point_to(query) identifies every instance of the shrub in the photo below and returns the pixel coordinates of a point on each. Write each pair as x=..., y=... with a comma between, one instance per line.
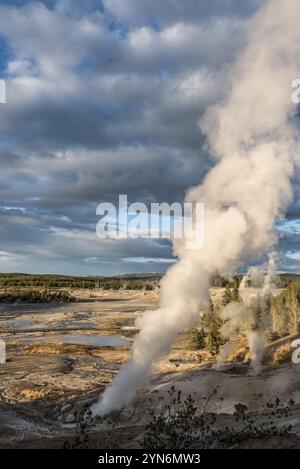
x=213, y=323
x=179, y=425
x=283, y=355
x=197, y=338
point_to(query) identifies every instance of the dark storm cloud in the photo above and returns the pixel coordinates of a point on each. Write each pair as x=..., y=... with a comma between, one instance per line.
x=104, y=98
x=87, y=85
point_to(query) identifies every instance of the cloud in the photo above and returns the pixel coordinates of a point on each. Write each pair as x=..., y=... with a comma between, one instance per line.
x=157, y=13
x=104, y=98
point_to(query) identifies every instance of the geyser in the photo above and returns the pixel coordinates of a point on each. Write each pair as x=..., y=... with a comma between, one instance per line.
x=249, y=318
x=253, y=138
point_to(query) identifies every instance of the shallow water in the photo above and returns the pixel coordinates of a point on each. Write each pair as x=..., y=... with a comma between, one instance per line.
x=28, y=324
x=16, y=324
x=94, y=340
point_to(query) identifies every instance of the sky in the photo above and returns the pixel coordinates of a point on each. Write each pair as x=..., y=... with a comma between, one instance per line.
x=104, y=98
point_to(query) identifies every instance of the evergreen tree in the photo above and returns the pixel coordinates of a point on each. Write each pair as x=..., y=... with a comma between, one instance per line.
x=231, y=294
x=213, y=323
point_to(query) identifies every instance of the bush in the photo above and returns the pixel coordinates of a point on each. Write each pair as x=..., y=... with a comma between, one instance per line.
x=283, y=355
x=177, y=426
x=197, y=339
x=213, y=323
x=180, y=425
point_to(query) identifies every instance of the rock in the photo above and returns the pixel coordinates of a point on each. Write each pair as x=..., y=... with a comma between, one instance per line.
x=70, y=418
x=65, y=408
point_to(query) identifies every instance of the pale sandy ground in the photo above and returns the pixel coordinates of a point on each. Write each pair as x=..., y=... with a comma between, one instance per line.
x=45, y=380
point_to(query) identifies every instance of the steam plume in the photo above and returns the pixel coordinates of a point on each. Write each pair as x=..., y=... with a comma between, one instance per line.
x=254, y=142
x=251, y=317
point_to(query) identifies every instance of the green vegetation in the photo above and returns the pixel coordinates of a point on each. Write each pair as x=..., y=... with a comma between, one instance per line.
x=212, y=321
x=142, y=282
x=212, y=325
x=210, y=336
x=34, y=295
x=281, y=313
x=179, y=423
x=47, y=288
x=176, y=426
x=231, y=294
x=285, y=311
x=63, y=281
x=197, y=338
x=222, y=281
